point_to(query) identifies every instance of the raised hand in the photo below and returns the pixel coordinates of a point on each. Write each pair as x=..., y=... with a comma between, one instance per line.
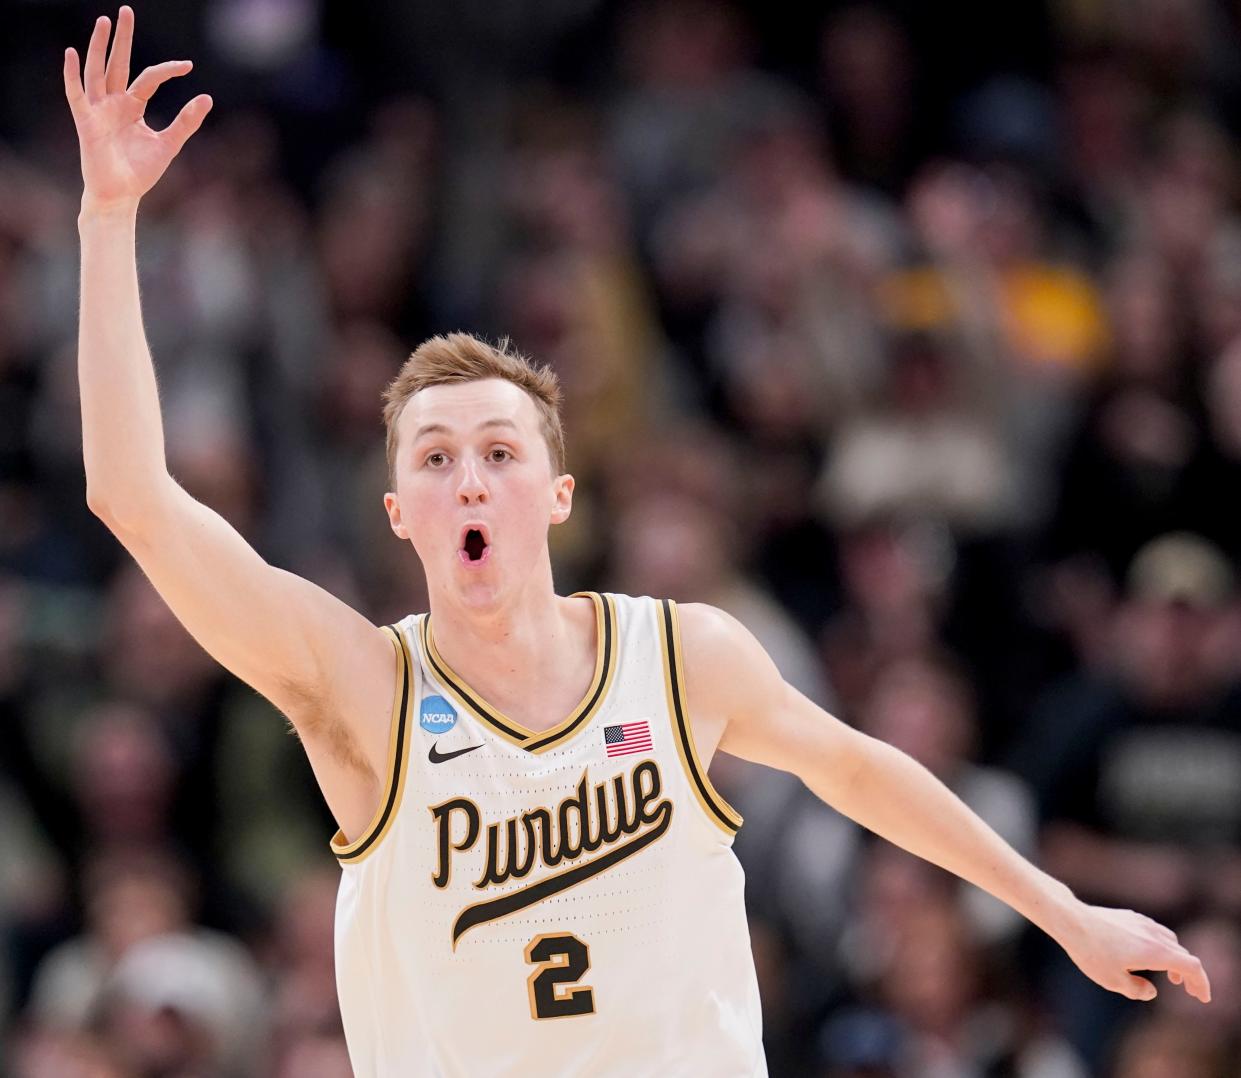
x=122, y=158
x=1109, y=944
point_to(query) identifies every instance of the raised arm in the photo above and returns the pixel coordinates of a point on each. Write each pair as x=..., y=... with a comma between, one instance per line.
x=742, y=702
x=330, y=670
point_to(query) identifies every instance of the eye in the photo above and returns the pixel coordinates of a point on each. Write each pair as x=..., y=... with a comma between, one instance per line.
x=499, y=455
x=435, y=459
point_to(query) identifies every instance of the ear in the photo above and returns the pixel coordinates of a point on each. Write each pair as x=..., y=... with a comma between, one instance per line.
x=394, y=516
x=563, y=493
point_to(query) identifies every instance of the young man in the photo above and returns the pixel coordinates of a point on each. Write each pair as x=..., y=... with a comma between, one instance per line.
x=537, y=873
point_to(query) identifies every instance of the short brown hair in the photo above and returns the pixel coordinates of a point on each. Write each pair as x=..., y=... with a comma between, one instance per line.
x=462, y=357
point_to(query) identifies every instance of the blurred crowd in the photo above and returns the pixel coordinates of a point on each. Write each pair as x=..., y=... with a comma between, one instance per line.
x=908, y=334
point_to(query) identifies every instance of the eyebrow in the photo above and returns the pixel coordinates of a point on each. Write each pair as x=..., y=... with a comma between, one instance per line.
x=440, y=428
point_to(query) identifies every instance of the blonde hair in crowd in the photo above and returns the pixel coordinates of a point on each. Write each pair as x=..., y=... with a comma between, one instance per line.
x=462, y=357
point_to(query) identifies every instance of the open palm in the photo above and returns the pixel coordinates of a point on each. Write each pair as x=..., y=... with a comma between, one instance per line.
x=122, y=158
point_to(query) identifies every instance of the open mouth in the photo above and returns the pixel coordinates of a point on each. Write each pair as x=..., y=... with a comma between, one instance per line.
x=474, y=546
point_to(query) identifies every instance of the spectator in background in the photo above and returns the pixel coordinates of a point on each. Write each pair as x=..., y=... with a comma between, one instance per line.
x=934, y=986
x=777, y=249
x=185, y=1005
x=868, y=71
x=1124, y=478
x=895, y=581
x=1141, y=791
x=677, y=507
x=1137, y=766
x=373, y=221
x=1160, y=1047
x=1219, y=466
x=1217, y=1028
x=129, y=895
x=1021, y=325
x=924, y=707
x=32, y=884
x=150, y=661
x=123, y=780
x=305, y=1015
x=1102, y=104
x=51, y=1053
x=315, y=1057
x=688, y=88
x=922, y=454
x=860, y=1043
x=1185, y=199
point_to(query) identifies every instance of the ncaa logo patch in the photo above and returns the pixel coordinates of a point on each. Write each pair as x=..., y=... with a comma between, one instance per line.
x=438, y=716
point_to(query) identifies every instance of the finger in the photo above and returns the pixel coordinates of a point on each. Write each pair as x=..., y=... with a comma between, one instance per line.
x=96, y=87
x=1138, y=988
x=188, y=120
x=155, y=76
x=1195, y=979
x=117, y=77
x=1188, y=971
x=73, y=85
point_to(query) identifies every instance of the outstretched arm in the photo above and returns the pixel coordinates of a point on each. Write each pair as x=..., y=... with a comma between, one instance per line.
x=734, y=685
x=324, y=665
x=122, y=158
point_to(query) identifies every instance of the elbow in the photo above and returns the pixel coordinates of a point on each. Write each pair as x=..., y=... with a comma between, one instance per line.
x=114, y=519
x=127, y=512
x=98, y=505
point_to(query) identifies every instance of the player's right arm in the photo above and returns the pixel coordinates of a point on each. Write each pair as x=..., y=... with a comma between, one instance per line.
x=329, y=669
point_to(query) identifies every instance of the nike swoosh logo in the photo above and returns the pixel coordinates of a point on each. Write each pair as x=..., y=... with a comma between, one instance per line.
x=437, y=757
x=524, y=897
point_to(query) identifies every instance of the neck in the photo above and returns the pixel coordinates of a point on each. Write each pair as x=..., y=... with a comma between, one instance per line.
x=517, y=635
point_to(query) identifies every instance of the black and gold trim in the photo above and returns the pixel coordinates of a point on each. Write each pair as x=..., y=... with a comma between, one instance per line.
x=719, y=810
x=349, y=853
x=537, y=741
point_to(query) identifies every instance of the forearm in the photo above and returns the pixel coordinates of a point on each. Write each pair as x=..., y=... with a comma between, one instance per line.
x=896, y=797
x=122, y=432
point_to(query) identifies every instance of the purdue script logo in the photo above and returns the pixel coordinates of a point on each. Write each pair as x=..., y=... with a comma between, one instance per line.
x=621, y=816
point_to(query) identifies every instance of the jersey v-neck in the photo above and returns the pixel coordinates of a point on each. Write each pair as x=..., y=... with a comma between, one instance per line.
x=536, y=741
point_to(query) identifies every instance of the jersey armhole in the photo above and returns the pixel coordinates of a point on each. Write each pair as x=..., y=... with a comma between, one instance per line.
x=719, y=811
x=350, y=853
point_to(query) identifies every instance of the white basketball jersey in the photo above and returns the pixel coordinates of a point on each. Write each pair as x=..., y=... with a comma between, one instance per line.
x=559, y=902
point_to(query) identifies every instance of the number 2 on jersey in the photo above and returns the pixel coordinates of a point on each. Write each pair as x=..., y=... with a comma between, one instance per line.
x=561, y=960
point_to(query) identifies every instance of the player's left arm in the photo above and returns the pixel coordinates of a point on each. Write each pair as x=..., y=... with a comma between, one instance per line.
x=748, y=710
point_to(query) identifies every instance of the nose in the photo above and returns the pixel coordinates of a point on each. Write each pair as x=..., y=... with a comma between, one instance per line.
x=470, y=487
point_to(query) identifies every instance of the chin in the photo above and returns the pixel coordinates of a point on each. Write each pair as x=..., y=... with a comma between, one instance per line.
x=477, y=594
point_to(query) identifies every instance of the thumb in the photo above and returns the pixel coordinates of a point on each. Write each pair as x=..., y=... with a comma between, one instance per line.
x=1138, y=988
x=188, y=120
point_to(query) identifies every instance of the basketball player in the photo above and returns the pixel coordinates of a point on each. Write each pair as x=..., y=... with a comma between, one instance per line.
x=537, y=872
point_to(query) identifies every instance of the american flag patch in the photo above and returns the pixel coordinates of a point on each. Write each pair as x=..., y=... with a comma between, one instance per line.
x=628, y=737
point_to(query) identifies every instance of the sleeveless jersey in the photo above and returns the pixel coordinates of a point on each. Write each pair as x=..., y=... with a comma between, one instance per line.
x=559, y=902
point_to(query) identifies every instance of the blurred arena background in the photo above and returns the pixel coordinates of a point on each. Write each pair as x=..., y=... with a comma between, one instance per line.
x=908, y=333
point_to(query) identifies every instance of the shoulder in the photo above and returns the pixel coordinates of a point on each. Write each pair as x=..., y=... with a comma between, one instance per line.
x=739, y=698
x=709, y=634
x=706, y=625
x=723, y=660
